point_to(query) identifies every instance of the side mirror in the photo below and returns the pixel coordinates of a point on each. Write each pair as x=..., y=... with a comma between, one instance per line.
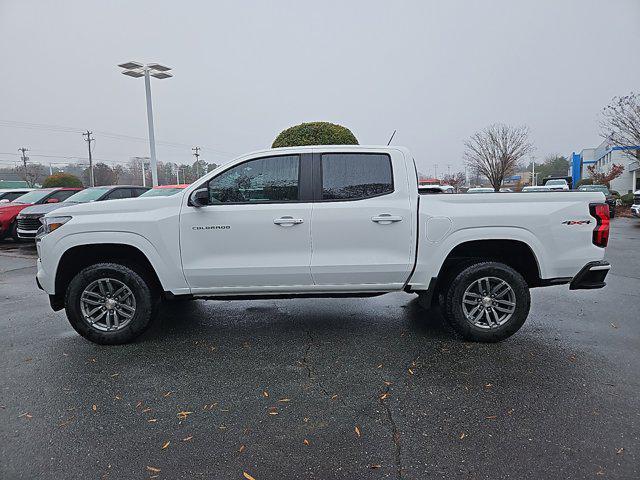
x=53, y=200
x=200, y=197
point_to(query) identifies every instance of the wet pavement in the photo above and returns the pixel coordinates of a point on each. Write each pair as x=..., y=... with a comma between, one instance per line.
x=325, y=388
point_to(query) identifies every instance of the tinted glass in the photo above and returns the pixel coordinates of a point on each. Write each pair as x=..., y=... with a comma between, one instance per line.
x=62, y=195
x=87, y=195
x=269, y=179
x=348, y=176
x=136, y=192
x=161, y=192
x=11, y=196
x=119, y=193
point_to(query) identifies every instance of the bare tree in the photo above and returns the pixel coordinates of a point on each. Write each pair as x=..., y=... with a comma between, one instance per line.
x=32, y=173
x=456, y=180
x=495, y=151
x=620, y=122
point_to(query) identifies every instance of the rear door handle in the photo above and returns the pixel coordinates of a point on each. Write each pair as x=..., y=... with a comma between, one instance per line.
x=386, y=219
x=287, y=221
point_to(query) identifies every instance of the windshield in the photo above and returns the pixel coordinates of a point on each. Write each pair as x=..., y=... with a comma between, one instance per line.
x=33, y=197
x=88, y=195
x=594, y=188
x=161, y=192
x=556, y=182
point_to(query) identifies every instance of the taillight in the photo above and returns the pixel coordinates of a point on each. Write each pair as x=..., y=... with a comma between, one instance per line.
x=600, y=211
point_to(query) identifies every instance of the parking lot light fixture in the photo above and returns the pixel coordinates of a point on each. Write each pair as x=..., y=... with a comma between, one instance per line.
x=156, y=70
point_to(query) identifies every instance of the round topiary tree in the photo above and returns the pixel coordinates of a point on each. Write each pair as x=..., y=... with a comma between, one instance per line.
x=315, y=133
x=61, y=180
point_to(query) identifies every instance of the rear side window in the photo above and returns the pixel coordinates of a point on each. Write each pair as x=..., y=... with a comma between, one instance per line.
x=263, y=180
x=119, y=193
x=353, y=176
x=62, y=195
x=11, y=196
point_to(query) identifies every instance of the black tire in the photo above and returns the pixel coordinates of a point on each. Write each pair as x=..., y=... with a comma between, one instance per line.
x=14, y=231
x=146, y=302
x=453, y=301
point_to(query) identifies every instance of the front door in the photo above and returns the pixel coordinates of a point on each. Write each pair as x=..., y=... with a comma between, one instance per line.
x=363, y=224
x=254, y=236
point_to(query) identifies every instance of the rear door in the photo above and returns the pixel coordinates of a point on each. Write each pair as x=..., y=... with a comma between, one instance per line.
x=362, y=225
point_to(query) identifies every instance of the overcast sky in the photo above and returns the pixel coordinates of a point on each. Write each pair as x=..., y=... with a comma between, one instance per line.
x=244, y=70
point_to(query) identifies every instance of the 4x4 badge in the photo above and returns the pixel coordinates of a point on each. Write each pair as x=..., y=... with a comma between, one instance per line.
x=576, y=222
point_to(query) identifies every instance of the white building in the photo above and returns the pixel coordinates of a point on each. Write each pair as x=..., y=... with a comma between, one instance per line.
x=603, y=157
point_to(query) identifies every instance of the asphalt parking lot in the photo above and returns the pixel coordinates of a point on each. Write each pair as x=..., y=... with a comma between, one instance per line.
x=323, y=389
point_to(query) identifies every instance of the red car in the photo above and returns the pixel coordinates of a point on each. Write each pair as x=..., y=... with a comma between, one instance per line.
x=9, y=211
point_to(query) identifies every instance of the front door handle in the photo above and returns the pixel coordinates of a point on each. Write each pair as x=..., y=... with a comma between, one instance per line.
x=386, y=219
x=287, y=221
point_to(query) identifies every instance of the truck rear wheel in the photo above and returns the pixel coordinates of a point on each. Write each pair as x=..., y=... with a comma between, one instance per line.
x=487, y=302
x=110, y=304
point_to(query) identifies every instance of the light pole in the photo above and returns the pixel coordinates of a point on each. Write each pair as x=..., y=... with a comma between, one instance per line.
x=137, y=70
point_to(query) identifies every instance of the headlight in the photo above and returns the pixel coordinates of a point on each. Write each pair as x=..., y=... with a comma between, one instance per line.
x=49, y=224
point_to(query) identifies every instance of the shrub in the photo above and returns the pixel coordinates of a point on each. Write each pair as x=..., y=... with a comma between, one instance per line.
x=315, y=133
x=61, y=180
x=627, y=199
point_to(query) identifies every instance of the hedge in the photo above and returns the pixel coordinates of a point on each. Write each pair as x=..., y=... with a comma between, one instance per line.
x=315, y=133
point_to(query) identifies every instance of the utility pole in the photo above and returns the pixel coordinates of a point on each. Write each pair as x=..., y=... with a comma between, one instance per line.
x=196, y=153
x=435, y=170
x=534, y=180
x=177, y=174
x=89, y=140
x=448, y=169
x=24, y=157
x=50, y=169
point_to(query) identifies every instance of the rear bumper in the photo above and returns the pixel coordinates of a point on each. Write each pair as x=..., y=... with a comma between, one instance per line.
x=591, y=276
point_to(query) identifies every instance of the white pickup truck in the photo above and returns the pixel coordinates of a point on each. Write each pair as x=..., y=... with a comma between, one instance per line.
x=323, y=221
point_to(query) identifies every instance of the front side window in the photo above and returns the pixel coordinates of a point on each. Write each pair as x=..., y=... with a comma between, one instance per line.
x=352, y=176
x=264, y=180
x=62, y=195
x=119, y=193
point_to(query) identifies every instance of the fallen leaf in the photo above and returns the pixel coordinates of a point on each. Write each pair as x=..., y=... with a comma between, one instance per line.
x=284, y=400
x=619, y=450
x=118, y=397
x=241, y=449
x=491, y=417
x=572, y=357
x=306, y=442
x=138, y=404
x=375, y=466
x=265, y=394
x=153, y=469
x=488, y=385
x=152, y=420
x=166, y=394
x=94, y=407
x=462, y=435
x=247, y=476
x=410, y=371
x=379, y=366
x=387, y=383
x=510, y=412
x=273, y=411
x=183, y=415
x=146, y=410
x=613, y=325
x=115, y=375
x=357, y=430
x=600, y=471
x=166, y=445
x=333, y=397
x=384, y=395
x=25, y=414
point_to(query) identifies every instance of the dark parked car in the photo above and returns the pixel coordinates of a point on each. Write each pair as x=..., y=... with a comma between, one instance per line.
x=608, y=196
x=29, y=218
x=9, y=211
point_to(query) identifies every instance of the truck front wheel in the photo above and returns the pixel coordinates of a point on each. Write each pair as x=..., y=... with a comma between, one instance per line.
x=110, y=304
x=487, y=302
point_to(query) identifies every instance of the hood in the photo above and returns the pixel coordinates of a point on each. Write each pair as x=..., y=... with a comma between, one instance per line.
x=123, y=205
x=11, y=208
x=44, y=208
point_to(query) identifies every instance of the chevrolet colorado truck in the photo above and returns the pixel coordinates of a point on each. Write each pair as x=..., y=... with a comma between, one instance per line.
x=319, y=221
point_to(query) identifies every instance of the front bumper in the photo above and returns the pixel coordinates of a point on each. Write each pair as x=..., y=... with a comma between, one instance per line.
x=27, y=234
x=591, y=276
x=635, y=210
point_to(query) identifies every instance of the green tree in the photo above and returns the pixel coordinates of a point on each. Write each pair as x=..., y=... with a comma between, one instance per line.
x=61, y=180
x=315, y=133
